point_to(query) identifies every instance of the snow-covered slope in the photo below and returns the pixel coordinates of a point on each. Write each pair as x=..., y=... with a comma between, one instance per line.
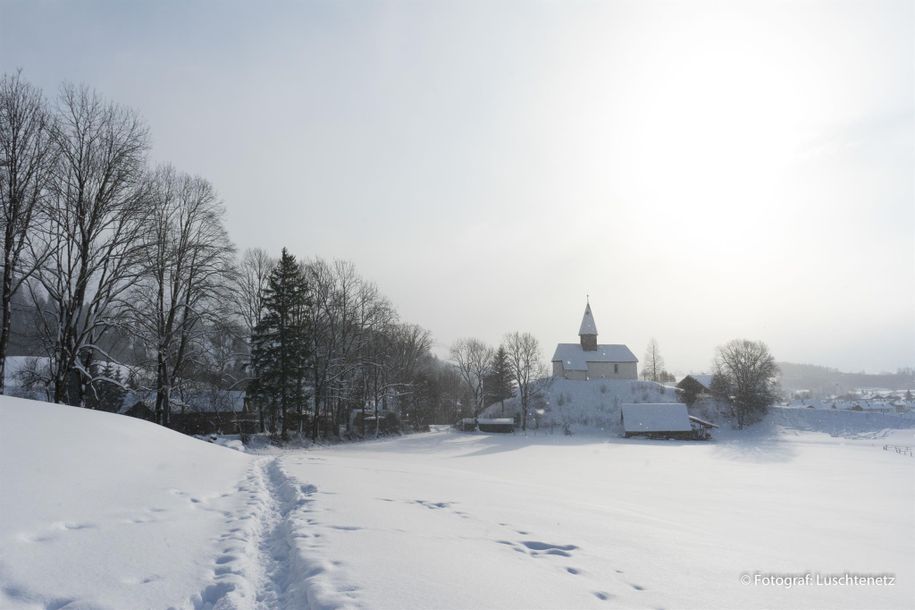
x=106, y=511
x=101, y=511
x=590, y=405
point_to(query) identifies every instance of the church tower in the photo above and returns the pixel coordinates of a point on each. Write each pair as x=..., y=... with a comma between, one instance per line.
x=588, y=331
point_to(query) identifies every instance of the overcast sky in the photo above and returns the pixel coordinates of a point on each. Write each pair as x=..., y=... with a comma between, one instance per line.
x=704, y=171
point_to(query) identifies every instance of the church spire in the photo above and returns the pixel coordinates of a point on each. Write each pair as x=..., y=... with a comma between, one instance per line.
x=587, y=332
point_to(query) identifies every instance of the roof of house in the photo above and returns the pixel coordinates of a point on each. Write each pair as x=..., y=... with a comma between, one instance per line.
x=574, y=358
x=588, y=327
x=656, y=417
x=704, y=380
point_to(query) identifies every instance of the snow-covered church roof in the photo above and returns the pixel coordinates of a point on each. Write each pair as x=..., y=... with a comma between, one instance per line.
x=574, y=358
x=588, y=327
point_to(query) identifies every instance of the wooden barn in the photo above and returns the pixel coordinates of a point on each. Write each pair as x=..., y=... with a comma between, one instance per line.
x=662, y=420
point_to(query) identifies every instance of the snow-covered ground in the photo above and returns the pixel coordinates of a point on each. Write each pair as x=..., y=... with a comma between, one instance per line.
x=102, y=511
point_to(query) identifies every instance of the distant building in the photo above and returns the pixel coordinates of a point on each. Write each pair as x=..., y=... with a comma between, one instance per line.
x=697, y=384
x=588, y=359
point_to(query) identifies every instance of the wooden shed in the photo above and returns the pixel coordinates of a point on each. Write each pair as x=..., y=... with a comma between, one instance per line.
x=656, y=420
x=663, y=420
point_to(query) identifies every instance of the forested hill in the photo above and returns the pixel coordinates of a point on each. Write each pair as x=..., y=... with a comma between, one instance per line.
x=825, y=380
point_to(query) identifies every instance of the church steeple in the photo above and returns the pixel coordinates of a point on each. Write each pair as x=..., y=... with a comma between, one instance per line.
x=587, y=332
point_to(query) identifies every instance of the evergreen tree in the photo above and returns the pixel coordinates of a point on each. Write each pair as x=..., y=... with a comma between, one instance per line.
x=107, y=389
x=279, y=343
x=498, y=384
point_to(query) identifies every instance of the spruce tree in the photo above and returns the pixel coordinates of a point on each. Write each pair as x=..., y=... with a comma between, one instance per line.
x=499, y=381
x=279, y=342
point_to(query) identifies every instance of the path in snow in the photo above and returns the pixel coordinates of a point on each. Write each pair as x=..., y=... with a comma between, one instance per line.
x=269, y=552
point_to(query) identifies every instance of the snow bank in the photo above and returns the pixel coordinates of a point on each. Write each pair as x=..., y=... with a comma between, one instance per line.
x=106, y=511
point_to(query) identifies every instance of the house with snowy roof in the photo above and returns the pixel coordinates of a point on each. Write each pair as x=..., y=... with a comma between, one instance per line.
x=698, y=384
x=589, y=359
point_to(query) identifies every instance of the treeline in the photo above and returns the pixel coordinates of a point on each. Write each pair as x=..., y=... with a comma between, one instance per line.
x=824, y=381
x=109, y=260
x=325, y=343
x=491, y=374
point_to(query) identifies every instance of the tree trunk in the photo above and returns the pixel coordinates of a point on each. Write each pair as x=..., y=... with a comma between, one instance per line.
x=7, y=296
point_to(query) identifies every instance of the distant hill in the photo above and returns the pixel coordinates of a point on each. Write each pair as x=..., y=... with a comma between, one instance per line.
x=825, y=381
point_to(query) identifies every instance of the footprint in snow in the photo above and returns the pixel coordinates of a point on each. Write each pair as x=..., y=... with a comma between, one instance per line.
x=602, y=595
x=433, y=505
x=75, y=526
x=563, y=550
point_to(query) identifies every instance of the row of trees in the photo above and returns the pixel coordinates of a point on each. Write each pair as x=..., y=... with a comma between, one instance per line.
x=322, y=335
x=490, y=374
x=111, y=260
x=107, y=249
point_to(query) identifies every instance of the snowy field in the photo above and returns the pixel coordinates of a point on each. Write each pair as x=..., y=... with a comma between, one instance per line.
x=102, y=511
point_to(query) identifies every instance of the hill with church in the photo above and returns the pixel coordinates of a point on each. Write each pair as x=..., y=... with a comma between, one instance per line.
x=590, y=383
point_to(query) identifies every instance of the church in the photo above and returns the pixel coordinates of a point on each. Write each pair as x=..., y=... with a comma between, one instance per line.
x=589, y=359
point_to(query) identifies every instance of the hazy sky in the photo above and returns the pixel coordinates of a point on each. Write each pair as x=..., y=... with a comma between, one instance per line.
x=704, y=170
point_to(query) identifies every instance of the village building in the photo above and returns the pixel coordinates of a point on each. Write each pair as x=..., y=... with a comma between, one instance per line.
x=696, y=384
x=589, y=359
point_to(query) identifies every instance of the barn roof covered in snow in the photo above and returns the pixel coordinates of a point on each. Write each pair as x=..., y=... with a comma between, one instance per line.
x=588, y=327
x=656, y=417
x=574, y=358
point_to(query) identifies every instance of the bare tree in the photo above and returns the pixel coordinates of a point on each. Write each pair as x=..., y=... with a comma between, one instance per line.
x=188, y=259
x=340, y=310
x=406, y=344
x=745, y=371
x=26, y=160
x=653, y=368
x=523, y=352
x=375, y=321
x=473, y=359
x=250, y=279
x=95, y=215
x=250, y=282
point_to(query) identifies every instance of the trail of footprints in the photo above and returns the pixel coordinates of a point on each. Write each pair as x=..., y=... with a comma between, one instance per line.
x=530, y=548
x=537, y=548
